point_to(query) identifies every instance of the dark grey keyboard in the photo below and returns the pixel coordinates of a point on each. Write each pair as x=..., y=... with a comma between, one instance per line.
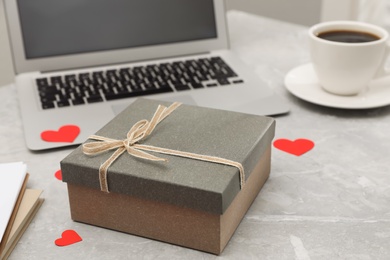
x=100, y=86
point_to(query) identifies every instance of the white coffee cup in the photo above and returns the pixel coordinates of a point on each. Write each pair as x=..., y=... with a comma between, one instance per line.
x=346, y=68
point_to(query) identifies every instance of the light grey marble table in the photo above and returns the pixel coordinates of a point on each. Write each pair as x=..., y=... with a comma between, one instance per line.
x=330, y=203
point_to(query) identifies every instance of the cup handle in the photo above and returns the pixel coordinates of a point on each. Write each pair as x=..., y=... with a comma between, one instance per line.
x=382, y=72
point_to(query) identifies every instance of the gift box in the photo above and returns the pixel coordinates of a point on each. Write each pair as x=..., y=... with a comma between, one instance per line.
x=181, y=174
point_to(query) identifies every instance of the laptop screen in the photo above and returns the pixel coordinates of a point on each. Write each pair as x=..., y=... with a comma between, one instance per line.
x=58, y=27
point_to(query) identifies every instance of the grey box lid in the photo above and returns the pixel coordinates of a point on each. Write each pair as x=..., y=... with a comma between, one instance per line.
x=181, y=181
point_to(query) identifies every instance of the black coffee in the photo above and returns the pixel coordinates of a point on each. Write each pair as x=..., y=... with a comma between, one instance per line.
x=348, y=36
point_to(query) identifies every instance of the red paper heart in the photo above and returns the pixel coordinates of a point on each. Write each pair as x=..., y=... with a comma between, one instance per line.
x=296, y=147
x=58, y=175
x=66, y=133
x=68, y=237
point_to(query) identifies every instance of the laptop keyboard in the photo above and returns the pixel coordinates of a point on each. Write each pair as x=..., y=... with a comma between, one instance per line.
x=101, y=86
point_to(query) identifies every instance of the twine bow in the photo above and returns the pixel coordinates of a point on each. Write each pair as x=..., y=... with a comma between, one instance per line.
x=138, y=132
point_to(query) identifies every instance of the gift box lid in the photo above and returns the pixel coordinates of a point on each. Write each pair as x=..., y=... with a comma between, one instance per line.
x=185, y=182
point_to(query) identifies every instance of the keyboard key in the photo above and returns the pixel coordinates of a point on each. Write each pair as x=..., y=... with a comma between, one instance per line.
x=196, y=85
x=47, y=96
x=84, y=76
x=180, y=87
x=149, y=86
x=63, y=103
x=164, y=85
x=42, y=82
x=124, y=71
x=55, y=80
x=70, y=78
x=47, y=89
x=136, y=93
x=223, y=81
x=113, y=96
x=47, y=105
x=238, y=81
x=136, y=87
x=111, y=72
x=78, y=101
x=97, y=75
x=94, y=98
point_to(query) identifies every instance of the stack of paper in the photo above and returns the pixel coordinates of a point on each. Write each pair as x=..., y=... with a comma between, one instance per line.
x=18, y=205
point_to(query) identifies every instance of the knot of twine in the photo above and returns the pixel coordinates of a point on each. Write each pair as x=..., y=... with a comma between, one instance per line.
x=138, y=132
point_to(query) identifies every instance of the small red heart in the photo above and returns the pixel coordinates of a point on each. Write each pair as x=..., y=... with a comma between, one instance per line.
x=58, y=175
x=296, y=147
x=66, y=133
x=68, y=237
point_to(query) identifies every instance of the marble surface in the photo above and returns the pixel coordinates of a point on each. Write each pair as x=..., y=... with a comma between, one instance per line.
x=330, y=203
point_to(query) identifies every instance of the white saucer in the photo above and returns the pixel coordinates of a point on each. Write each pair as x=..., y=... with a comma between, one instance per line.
x=302, y=82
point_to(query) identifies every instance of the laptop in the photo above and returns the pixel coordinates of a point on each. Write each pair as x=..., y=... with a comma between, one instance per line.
x=80, y=62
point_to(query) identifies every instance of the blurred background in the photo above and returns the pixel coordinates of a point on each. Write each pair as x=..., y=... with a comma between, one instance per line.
x=304, y=12
x=309, y=12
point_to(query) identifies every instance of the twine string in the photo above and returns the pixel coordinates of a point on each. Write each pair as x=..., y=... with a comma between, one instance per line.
x=138, y=132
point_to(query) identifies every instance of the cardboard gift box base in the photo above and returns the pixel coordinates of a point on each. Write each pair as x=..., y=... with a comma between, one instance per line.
x=165, y=222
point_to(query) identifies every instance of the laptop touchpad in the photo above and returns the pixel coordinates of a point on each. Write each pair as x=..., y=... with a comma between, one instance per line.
x=185, y=99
